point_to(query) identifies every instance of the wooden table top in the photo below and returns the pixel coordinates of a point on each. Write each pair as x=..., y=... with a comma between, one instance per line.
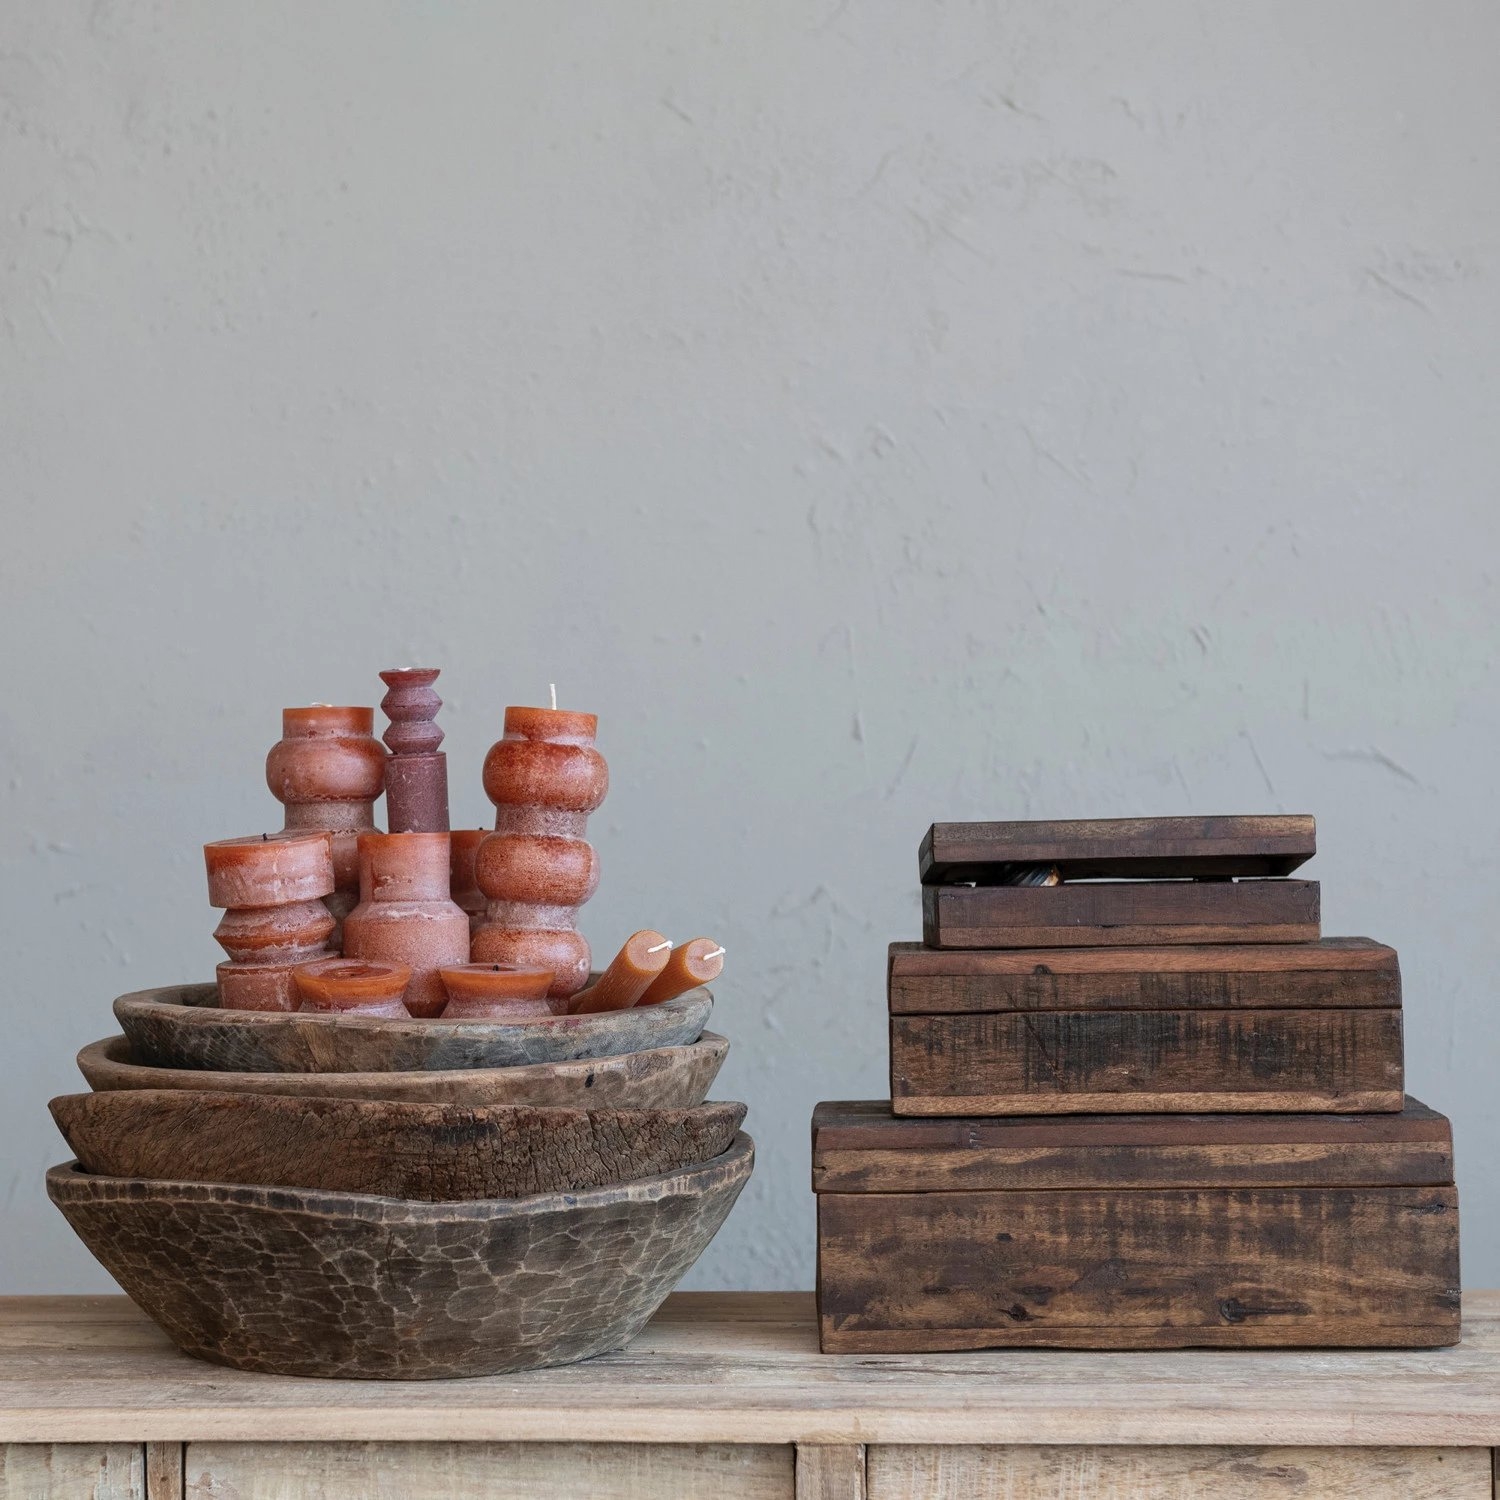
x=745, y=1367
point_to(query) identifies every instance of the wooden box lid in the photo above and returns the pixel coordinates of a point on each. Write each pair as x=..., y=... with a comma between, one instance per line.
x=861, y=1147
x=1144, y=848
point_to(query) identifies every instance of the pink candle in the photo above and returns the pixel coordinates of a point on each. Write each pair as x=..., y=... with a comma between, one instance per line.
x=405, y=914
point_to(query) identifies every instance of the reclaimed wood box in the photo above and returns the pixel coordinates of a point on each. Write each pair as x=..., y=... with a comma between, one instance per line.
x=1290, y=1028
x=1134, y=1231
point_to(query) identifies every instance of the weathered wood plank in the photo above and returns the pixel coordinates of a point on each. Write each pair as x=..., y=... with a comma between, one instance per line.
x=862, y=1146
x=1101, y=1473
x=165, y=1472
x=1337, y=973
x=1116, y=913
x=1086, y=848
x=1145, y=1268
x=830, y=1471
x=1021, y=1062
x=72, y=1471
x=488, y=1471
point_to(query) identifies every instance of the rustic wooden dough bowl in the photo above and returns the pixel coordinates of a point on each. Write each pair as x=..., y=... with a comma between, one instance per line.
x=431, y=1152
x=291, y=1282
x=662, y=1077
x=181, y=1026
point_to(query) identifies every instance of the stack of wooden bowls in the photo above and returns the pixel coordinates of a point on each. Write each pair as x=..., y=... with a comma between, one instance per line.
x=344, y=1196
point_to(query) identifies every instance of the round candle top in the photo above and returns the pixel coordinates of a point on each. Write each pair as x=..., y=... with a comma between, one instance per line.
x=326, y=754
x=496, y=981
x=404, y=866
x=318, y=719
x=269, y=869
x=330, y=980
x=559, y=725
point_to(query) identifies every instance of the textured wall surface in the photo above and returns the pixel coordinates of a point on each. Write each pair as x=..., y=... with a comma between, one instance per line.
x=874, y=411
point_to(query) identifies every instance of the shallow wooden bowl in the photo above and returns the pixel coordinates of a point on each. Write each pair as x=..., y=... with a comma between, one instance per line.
x=181, y=1026
x=663, y=1077
x=432, y=1152
x=291, y=1282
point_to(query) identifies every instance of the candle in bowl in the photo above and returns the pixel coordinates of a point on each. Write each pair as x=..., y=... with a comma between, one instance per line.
x=463, y=885
x=327, y=770
x=416, y=775
x=355, y=986
x=636, y=967
x=545, y=777
x=271, y=888
x=497, y=992
x=689, y=965
x=405, y=914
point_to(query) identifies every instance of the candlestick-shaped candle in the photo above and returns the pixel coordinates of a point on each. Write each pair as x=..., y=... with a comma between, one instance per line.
x=353, y=986
x=691, y=964
x=272, y=889
x=635, y=967
x=463, y=885
x=497, y=992
x=327, y=770
x=405, y=914
x=416, y=775
x=545, y=777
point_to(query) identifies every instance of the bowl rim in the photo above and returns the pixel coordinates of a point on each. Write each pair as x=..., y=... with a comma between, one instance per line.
x=67, y=1180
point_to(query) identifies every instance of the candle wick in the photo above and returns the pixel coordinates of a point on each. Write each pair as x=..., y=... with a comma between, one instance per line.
x=660, y=946
x=265, y=838
x=717, y=953
x=553, y=686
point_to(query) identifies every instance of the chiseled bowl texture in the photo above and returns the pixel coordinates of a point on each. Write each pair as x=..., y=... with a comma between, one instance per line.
x=288, y=1282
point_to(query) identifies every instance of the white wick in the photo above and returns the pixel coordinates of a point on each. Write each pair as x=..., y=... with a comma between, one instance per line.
x=553, y=686
x=717, y=953
x=660, y=946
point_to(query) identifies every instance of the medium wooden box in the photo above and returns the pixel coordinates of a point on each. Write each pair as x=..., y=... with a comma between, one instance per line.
x=1293, y=1027
x=1134, y=1231
x=1108, y=913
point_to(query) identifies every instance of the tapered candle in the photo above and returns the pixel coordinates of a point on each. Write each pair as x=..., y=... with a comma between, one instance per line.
x=334, y=986
x=634, y=970
x=688, y=966
x=497, y=992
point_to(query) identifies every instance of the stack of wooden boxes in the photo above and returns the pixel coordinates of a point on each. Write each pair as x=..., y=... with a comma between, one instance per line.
x=1145, y=1106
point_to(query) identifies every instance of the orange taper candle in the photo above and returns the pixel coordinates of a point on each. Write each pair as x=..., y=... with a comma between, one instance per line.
x=694, y=963
x=635, y=968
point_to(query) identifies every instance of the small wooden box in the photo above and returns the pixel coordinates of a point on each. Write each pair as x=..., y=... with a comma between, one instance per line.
x=1094, y=914
x=1295, y=1027
x=1134, y=1231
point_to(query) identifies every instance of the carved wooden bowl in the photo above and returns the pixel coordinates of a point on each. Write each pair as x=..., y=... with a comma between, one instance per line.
x=661, y=1077
x=291, y=1282
x=432, y=1152
x=181, y=1026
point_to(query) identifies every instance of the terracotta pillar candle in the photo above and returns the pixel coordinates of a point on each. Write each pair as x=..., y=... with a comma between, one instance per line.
x=416, y=775
x=496, y=992
x=327, y=770
x=462, y=884
x=636, y=967
x=698, y=962
x=545, y=777
x=272, y=888
x=353, y=986
x=405, y=914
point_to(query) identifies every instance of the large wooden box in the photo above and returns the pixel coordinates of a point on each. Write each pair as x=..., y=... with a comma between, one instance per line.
x=1134, y=1231
x=1290, y=1028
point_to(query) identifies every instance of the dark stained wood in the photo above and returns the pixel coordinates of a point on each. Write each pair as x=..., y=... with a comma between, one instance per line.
x=663, y=1077
x=181, y=1026
x=1120, y=913
x=1143, y=1269
x=427, y=1152
x=291, y=1282
x=1033, y=1062
x=1143, y=848
x=1338, y=972
x=862, y=1146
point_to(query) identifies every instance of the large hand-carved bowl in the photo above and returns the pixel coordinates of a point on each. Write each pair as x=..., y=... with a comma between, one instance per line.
x=291, y=1282
x=431, y=1152
x=661, y=1077
x=181, y=1026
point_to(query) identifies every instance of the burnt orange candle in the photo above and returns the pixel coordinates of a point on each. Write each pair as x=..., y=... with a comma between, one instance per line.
x=688, y=966
x=545, y=777
x=272, y=889
x=357, y=986
x=636, y=967
x=405, y=914
x=463, y=886
x=496, y=992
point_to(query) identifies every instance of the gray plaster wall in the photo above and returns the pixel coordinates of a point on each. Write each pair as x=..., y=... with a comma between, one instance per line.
x=876, y=410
